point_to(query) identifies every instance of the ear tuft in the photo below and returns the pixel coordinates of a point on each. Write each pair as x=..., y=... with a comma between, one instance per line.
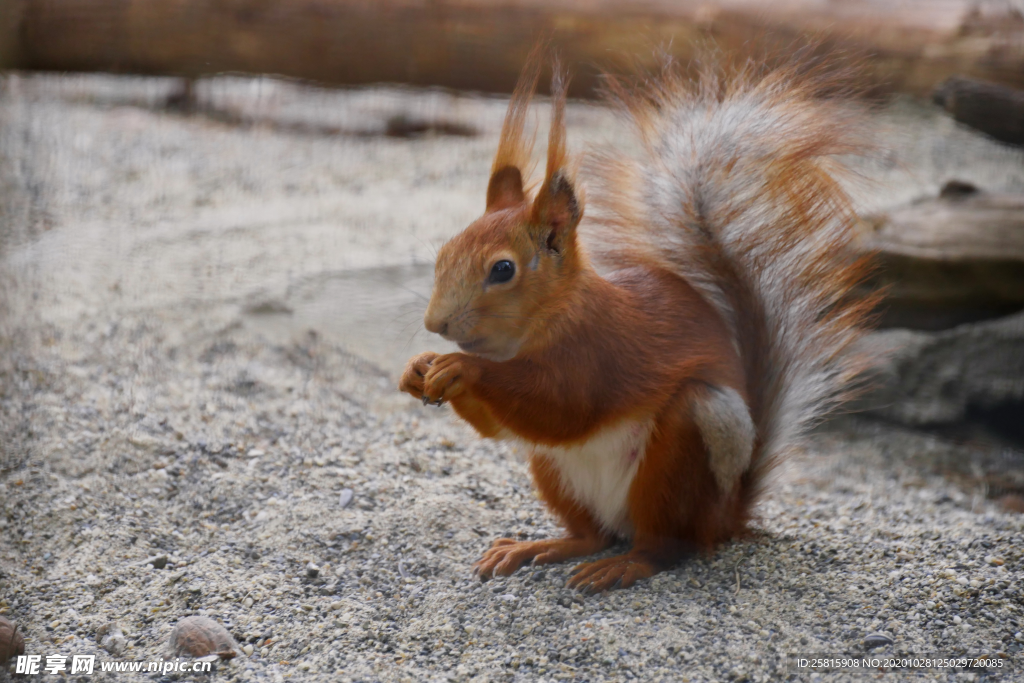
x=557, y=210
x=505, y=189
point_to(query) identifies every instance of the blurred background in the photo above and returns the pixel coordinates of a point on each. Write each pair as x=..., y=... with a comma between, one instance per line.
x=218, y=217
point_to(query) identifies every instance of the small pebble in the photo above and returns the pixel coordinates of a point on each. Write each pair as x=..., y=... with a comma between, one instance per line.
x=158, y=562
x=873, y=640
x=346, y=497
x=312, y=571
x=248, y=650
x=112, y=639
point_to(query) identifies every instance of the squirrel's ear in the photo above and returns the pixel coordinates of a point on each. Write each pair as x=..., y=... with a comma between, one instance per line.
x=556, y=213
x=505, y=189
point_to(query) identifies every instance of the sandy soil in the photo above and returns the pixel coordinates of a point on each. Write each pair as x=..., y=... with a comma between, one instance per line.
x=201, y=327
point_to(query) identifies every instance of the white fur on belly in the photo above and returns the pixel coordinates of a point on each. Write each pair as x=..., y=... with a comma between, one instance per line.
x=598, y=472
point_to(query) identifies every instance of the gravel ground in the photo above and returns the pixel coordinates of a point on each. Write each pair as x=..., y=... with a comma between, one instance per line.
x=240, y=463
x=166, y=454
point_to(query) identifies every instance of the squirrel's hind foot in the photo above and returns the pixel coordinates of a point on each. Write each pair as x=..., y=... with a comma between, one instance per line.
x=505, y=556
x=621, y=571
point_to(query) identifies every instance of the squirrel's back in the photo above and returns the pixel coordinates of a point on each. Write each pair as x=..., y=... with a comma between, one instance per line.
x=737, y=189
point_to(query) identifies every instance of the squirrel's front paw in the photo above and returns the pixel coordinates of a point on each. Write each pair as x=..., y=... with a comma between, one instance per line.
x=415, y=370
x=448, y=377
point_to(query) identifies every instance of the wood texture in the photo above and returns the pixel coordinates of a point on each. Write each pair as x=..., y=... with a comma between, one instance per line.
x=950, y=260
x=482, y=44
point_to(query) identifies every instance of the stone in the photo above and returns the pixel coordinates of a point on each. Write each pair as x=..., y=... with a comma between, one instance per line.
x=200, y=637
x=12, y=644
x=158, y=562
x=873, y=640
x=936, y=378
x=112, y=638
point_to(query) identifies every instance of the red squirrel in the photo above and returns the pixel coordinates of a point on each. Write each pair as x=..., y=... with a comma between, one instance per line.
x=654, y=396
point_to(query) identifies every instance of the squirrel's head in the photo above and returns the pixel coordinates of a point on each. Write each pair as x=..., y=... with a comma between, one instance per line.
x=499, y=282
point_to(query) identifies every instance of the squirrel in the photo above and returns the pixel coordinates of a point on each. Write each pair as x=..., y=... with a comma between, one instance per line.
x=656, y=394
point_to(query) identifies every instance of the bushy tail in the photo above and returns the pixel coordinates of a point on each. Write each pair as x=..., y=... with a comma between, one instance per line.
x=736, y=189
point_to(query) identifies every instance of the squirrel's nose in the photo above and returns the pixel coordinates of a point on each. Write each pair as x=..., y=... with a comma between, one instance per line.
x=436, y=325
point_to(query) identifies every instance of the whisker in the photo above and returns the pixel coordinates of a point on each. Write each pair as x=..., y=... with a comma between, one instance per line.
x=430, y=247
x=419, y=295
x=418, y=312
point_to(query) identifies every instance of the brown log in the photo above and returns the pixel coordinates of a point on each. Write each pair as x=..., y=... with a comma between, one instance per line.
x=481, y=44
x=993, y=109
x=950, y=260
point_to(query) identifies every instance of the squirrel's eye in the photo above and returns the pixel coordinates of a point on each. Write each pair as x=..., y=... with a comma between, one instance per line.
x=502, y=271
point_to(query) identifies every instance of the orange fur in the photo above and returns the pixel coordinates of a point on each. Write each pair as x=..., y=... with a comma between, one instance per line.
x=560, y=357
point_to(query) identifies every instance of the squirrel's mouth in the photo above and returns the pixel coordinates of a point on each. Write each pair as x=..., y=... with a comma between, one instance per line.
x=472, y=345
x=485, y=348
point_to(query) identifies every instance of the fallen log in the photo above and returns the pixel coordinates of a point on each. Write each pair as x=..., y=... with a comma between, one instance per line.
x=951, y=260
x=481, y=44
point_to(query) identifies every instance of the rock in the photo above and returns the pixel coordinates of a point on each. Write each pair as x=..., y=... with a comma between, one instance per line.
x=158, y=562
x=937, y=378
x=248, y=650
x=111, y=638
x=345, y=498
x=312, y=571
x=201, y=637
x=873, y=640
x=12, y=644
